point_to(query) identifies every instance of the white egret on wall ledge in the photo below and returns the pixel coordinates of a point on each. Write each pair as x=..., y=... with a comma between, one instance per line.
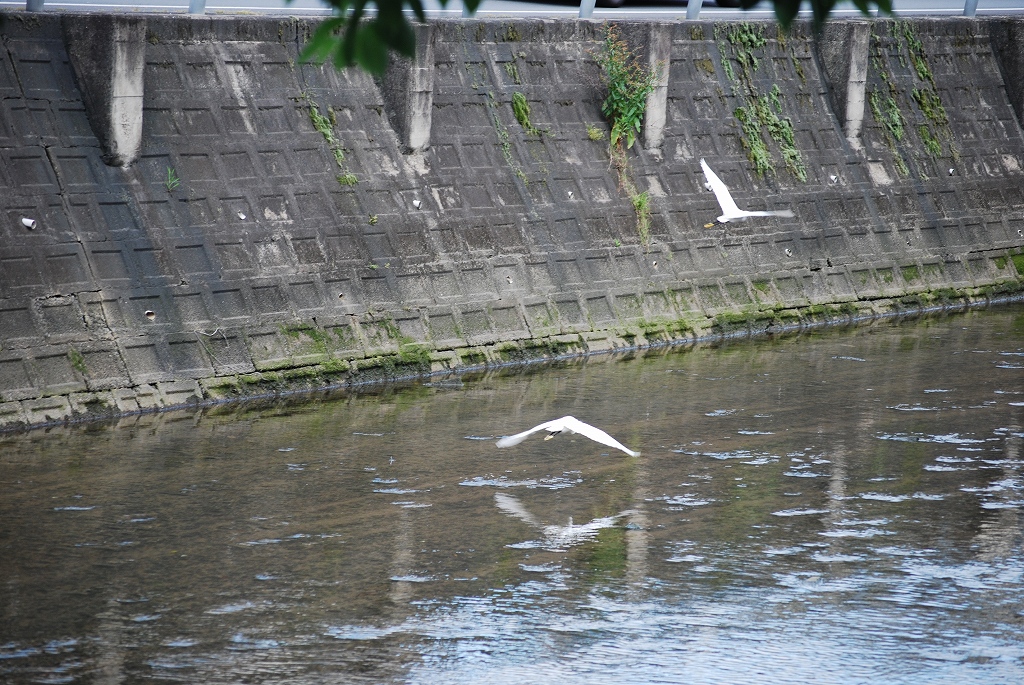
x=730, y=212
x=569, y=425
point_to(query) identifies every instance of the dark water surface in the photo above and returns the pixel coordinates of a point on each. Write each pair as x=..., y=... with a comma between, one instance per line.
x=839, y=507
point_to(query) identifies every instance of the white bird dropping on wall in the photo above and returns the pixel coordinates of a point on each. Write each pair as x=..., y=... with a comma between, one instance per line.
x=28, y=223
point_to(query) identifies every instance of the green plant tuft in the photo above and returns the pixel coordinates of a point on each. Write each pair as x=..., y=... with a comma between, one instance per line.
x=642, y=206
x=628, y=83
x=521, y=109
x=77, y=361
x=513, y=72
x=172, y=180
x=705, y=65
x=760, y=116
x=325, y=127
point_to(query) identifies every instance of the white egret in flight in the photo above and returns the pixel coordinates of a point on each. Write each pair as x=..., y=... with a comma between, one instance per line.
x=730, y=212
x=570, y=425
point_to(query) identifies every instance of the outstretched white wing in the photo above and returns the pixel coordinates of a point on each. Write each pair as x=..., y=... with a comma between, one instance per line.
x=510, y=440
x=568, y=424
x=775, y=212
x=595, y=434
x=721, y=191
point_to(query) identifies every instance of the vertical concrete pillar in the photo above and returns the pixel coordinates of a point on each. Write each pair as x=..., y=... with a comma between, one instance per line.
x=108, y=57
x=659, y=54
x=408, y=90
x=843, y=52
x=1007, y=38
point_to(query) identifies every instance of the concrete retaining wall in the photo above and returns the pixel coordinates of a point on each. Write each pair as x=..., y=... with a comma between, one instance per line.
x=227, y=247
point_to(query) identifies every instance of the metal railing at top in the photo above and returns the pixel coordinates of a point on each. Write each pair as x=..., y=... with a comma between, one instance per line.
x=586, y=7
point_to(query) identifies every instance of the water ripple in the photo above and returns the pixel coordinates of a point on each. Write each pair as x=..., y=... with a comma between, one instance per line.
x=947, y=439
x=556, y=483
x=799, y=512
x=685, y=500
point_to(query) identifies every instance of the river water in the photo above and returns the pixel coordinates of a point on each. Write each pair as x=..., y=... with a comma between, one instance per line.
x=840, y=506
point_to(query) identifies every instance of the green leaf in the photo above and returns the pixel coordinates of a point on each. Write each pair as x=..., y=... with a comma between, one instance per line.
x=346, y=38
x=417, y=9
x=785, y=11
x=371, y=50
x=393, y=28
x=345, y=54
x=322, y=42
x=820, y=9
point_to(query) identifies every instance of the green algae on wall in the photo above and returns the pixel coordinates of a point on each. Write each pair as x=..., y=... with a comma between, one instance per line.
x=761, y=115
x=897, y=101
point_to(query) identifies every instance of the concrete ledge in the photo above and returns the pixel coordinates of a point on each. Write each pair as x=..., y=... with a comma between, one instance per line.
x=418, y=363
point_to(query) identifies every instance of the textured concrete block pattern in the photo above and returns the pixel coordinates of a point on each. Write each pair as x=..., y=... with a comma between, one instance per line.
x=277, y=231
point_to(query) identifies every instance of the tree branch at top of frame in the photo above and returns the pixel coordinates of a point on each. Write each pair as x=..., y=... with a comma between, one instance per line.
x=355, y=36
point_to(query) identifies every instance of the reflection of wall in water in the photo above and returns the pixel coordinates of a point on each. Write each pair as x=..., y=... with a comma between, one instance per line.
x=1001, y=533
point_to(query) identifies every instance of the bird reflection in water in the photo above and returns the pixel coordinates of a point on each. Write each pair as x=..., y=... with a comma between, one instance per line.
x=556, y=538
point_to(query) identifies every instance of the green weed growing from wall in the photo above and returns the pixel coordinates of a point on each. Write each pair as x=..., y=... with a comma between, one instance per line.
x=926, y=97
x=887, y=112
x=521, y=109
x=77, y=361
x=628, y=83
x=513, y=72
x=324, y=125
x=642, y=206
x=888, y=108
x=172, y=181
x=505, y=142
x=760, y=115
